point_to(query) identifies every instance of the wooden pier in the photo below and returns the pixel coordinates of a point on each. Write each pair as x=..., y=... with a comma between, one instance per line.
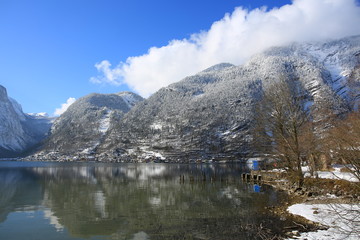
x=246, y=177
x=251, y=177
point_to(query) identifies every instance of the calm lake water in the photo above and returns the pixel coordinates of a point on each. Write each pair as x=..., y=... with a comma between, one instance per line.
x=40, y=200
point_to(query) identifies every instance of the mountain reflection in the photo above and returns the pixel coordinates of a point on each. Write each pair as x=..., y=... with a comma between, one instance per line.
x=122, y=201
x=19, y=191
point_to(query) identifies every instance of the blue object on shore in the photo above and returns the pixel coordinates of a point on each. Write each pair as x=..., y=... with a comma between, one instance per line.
x=255, y=165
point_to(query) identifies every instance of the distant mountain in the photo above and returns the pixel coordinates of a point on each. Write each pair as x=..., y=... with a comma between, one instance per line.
x=19, y=132
x=209, y=115
x=85, y=124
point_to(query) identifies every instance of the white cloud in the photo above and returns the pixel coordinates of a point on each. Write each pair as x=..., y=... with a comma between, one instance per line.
x=234, y=39
x=64, y=106
x=112, y=76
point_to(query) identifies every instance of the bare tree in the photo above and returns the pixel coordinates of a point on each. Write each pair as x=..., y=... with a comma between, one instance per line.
x=283, y=127
x=345, y=142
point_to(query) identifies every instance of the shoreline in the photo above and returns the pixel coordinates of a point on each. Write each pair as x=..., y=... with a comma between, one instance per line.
x=320, y=213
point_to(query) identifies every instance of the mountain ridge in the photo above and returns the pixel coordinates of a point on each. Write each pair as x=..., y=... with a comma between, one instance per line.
x=208, y=115
x=214, y=109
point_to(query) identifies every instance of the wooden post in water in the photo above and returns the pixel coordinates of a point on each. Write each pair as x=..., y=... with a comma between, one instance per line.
x=182, y=178
x=191, y=178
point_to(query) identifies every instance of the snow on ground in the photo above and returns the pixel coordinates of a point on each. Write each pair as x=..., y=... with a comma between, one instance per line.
x=343, y=220
x=336, y=174
x=105, y=122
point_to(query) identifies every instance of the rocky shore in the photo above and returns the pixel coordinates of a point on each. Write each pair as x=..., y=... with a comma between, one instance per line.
x=307, y=206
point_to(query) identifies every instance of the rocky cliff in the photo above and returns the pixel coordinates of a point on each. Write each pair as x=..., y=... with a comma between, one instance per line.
x=19, y=132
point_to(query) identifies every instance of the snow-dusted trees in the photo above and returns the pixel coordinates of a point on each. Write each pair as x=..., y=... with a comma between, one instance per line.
x=283, y=126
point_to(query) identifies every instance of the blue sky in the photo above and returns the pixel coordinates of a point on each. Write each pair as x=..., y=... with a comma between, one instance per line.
x=49, y=48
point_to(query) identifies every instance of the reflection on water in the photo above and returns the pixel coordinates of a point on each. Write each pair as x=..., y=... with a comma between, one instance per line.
x=129, y=201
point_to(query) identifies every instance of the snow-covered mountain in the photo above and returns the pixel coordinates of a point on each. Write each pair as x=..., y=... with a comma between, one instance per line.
x=19, y=132
x=82, y=127
x=209, y=114
x=339, y=60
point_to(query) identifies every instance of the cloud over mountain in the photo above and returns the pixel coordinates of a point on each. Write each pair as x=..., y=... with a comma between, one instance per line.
x=234, y=39
x=64, y=106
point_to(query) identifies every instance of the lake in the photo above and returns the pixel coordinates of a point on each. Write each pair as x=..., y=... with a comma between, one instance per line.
x=49, y=200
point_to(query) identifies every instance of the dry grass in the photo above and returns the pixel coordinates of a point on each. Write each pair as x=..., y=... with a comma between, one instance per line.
x=333, y=185
x=345, y=169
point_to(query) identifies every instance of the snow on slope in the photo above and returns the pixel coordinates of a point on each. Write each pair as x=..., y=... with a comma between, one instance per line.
x=129, y=98
x=105, y=122
x=337, y=57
